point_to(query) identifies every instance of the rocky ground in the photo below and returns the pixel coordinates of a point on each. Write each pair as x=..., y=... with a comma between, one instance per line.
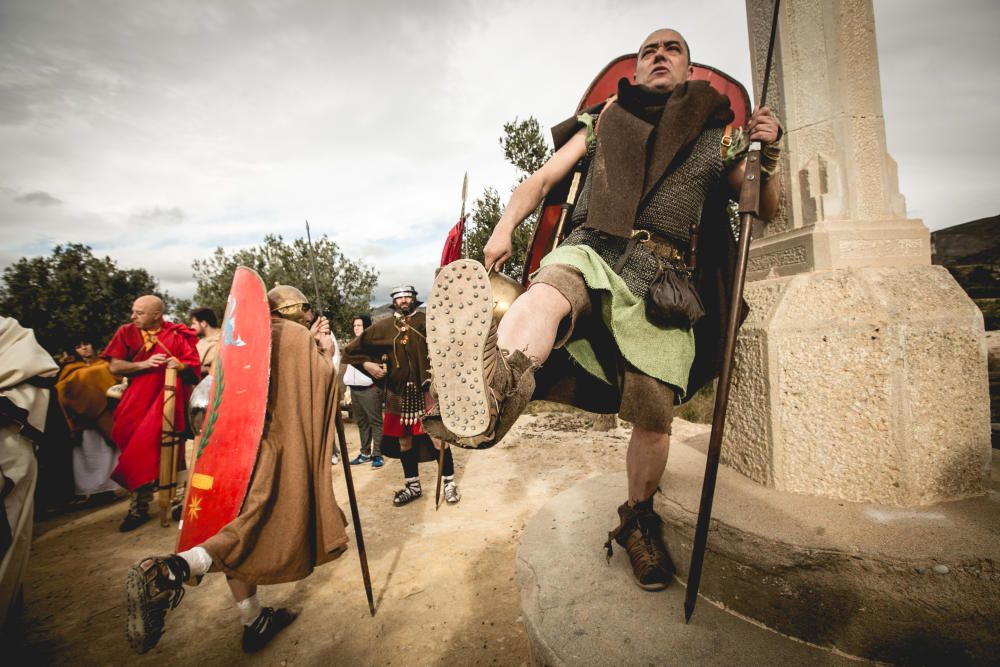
x=443, y=580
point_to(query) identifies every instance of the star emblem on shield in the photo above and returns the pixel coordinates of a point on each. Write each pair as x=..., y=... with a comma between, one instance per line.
x=194, y=507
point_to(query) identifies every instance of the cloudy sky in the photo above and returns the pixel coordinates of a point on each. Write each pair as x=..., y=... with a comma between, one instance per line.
x=156, y=131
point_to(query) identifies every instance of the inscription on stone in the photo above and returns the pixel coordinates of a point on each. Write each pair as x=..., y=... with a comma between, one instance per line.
x=880, y=247
x=783, y=257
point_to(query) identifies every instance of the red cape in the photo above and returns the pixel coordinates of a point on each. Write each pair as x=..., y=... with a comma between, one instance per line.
x=139, y=415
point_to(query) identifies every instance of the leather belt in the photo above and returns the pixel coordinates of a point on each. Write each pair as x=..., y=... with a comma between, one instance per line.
x=660, y=246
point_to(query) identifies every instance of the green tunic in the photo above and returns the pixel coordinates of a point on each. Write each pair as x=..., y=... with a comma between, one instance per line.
x=665, y=353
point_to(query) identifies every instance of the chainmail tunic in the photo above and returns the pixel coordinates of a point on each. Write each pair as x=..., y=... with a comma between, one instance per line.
x=670, y=211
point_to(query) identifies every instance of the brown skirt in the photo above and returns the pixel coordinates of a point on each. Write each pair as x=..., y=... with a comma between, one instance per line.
x=645, y=401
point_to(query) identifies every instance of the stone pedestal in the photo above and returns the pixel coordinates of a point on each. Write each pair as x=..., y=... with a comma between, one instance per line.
x=862, y=384
x=861, y=372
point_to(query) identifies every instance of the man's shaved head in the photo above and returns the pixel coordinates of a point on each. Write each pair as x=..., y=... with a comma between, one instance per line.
x=150, y=302
x=658, y=35
x=664, y=61
x=147, y=312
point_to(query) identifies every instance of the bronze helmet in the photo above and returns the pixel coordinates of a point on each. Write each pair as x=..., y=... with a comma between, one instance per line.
x=289, y=303
x=505, y=289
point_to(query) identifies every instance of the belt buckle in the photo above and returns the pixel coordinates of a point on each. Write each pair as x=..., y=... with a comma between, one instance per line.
x=641, y=232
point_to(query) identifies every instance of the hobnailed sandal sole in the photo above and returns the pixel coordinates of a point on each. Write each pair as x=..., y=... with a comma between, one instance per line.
x=141, y=637
x=459, y=316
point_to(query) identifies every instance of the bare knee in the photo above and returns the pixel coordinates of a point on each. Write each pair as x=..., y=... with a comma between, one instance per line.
x=549, y=298
x=645, y=438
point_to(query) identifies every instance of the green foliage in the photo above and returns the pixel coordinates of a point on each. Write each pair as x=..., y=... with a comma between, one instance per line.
x=700, y=408
x=524, y=146
x=71, y=294
x=179, y=310
x=345, y=286
x=486, y=212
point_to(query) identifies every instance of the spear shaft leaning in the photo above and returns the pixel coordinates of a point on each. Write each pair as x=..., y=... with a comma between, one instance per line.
x=461, y=217
x=338, y=421
x=749, y=209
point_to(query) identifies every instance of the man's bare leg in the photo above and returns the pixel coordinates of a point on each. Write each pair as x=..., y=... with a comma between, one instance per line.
x=245, y=596
x=640, y=530
x=532, y=322
x=645, y=461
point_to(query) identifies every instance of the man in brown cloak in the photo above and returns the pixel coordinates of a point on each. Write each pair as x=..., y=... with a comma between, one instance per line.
x=290, y=521
x=401, y=341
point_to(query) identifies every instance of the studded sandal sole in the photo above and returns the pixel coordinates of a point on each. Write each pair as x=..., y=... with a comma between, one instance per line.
x=141, y=628
x=459, y=316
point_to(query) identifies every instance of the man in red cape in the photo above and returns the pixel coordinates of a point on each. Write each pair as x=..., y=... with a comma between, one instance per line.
x=143, y=350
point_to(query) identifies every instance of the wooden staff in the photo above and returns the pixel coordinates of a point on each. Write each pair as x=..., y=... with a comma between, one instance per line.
x=168, y=446
x=338, y=420
x=749, y=209
x=437, y=489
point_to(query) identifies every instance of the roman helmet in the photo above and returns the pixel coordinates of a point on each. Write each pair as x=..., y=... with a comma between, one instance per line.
x=289, y=303
x=404, y=290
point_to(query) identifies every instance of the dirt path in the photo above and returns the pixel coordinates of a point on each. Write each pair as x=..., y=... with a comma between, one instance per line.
x=444, y=581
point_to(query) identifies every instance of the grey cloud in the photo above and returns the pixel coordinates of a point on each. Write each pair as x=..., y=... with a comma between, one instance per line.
x=38, y=198
x=158, y=215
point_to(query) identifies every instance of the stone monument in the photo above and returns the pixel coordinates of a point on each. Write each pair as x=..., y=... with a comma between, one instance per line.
x=861, y=371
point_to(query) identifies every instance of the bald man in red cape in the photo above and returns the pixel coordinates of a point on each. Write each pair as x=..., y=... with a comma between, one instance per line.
x=143, y=350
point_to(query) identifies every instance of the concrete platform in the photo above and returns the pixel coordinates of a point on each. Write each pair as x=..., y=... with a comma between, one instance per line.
x=580, y=610
x=800, y=579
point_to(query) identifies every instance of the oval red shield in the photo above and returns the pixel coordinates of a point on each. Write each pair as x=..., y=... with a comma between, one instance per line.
x=226, y=450
x=601, y=88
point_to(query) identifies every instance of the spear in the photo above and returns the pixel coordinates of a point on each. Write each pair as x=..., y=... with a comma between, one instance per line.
x=749, y=209
x=312, y=266
x=465, y=193
x=338, y=421
x=461, y=219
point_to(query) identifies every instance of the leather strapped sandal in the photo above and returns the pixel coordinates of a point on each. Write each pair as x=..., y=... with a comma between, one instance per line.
x=407, y=494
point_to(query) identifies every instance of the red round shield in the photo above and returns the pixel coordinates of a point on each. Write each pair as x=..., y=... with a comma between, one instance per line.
x=226, y=450
x=601, y=88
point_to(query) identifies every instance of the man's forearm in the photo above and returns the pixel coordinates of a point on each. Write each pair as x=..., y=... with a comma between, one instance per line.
x=523, y=201
x=770, y=197
x=122, y=367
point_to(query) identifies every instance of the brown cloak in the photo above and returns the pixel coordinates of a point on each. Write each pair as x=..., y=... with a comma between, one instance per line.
x=405, y=350
x=635, y=156
x=290, y=521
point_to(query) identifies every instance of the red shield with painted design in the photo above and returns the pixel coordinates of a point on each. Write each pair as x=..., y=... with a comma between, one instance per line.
x=226, y=450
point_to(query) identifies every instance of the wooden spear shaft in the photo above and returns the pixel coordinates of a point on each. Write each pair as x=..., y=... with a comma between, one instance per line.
x=749, y=209
x=338, y=421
